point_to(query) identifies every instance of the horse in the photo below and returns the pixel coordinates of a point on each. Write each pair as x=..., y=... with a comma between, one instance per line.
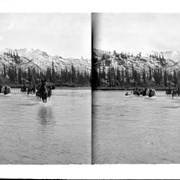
x=50, y=88
x=5, y=89
x=136, y=92
x=169, y=91
x=128, y=94
x=53, y=87
x=152, y=92
x=1, y=89
x=44, y=91
x=23, y=89
x=139, y=92
x=144, y=92
x=176, y=92
x=31, y=89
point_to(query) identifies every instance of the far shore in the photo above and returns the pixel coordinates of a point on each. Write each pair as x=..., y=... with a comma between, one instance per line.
x=129, y=88
x=61, y=88
x=75, y=88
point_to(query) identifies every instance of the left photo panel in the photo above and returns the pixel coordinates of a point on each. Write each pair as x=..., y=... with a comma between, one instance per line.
x=45, y=89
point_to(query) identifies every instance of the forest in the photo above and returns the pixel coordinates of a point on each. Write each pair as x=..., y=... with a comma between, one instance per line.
x=129, y=77
x=16, y=76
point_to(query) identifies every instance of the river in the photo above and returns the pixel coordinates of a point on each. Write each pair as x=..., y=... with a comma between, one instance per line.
x=135, y=130
x=57, y=132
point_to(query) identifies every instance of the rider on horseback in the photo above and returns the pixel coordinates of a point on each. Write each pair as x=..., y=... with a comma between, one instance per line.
x=43, y=85
x=31, y=88
x=43, y=91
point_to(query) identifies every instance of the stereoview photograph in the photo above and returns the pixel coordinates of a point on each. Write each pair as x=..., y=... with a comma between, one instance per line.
x=45, y=94
x=136, y=88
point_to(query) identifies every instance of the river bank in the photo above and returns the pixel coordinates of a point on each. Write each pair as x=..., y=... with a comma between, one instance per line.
x=61, y=88
x=56, y=86
x=130, y=88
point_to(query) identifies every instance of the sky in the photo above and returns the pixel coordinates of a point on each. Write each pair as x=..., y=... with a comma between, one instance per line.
x=63, y=34
x=137, y=32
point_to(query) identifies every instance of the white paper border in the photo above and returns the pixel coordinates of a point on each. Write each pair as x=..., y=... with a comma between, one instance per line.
x=90, y=171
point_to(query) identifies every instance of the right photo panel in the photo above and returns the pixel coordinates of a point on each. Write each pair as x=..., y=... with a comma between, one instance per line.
x=136, y=88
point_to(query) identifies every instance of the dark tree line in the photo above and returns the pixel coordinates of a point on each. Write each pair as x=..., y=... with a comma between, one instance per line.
x=129, y=77
x=123, y=76
x=66, y=77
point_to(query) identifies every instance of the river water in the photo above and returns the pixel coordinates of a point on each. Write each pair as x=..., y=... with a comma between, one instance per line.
x=59, y=132
x=135, y=129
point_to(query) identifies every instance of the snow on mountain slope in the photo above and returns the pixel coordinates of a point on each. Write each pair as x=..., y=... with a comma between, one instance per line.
x=169, y=60
x=41, y=60
x=173, y=55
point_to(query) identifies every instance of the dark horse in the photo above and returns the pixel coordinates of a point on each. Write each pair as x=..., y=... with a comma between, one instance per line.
x=42, y=91
x=176, y=92
x=1, y=89
x=144, y=92
x=31, y=89
x=136, y=92
x=139, y=92
x=24, y=88
x=5, y=89
x=152, y=92
x=168, y=91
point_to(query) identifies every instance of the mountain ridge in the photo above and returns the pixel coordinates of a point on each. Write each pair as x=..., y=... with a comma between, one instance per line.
x=40, y=60
x=168, y=60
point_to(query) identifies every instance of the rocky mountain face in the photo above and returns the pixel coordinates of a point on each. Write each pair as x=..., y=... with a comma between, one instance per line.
x=40, y=60
x=168, y=61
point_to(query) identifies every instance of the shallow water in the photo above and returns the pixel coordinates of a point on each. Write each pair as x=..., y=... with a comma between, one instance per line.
x=57, y=132
x=135, y=129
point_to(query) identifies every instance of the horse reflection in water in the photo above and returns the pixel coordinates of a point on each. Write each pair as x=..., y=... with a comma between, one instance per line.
x=45, y=115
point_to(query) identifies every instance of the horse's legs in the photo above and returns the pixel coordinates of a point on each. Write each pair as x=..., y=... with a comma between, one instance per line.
x=44, y=100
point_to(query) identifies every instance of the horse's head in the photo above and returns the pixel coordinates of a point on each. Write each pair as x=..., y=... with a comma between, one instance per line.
x=43, y=82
